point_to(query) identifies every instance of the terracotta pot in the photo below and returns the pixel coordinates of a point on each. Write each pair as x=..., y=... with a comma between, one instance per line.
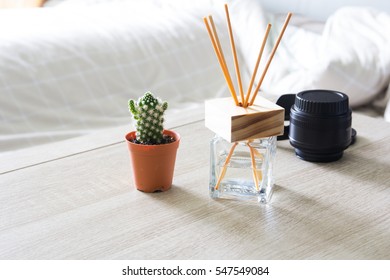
x=153, y=165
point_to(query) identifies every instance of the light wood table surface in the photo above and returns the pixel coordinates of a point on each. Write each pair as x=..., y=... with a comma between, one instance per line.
x=75, y=200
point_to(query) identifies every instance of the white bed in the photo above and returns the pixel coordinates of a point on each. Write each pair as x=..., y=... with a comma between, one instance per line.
x=69, y=68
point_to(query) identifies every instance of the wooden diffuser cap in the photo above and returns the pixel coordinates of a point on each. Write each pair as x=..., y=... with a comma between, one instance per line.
x=235, y=123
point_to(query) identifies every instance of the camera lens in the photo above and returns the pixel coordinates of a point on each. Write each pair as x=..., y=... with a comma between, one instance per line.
x=320, y=125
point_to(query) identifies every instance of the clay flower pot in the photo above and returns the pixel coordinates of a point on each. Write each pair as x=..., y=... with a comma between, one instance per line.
x=153, y=165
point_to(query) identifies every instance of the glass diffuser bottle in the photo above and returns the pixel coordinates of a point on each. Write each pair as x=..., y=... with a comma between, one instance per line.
x=242, y=170
x=243, y=149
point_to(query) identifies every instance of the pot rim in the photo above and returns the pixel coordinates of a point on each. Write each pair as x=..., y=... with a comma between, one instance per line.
x=169, y=132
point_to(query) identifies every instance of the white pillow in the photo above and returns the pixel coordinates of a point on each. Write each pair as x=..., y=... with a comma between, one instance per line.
x=352, y=55
x=320, y=10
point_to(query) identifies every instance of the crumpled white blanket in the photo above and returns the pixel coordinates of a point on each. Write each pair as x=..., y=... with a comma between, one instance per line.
x=351, y=54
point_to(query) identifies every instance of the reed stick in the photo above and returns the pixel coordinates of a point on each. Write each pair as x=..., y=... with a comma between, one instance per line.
x=216, y=37
x=257, y=65
x=227, y=160
x=271, y=57
x=225, y=71
x=233, y=46
x=261, y=157
x=230, y=83
x=254, y=169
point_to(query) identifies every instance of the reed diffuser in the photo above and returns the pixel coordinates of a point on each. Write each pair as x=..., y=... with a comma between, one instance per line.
x=243, y=149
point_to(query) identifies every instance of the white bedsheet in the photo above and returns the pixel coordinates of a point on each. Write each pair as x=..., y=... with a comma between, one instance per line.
x=66, y=72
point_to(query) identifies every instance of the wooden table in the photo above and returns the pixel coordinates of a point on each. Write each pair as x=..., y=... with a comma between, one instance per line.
x=75, y=200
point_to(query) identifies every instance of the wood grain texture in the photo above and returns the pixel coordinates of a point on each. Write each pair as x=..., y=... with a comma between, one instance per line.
x=235, y=123
x=84, y=207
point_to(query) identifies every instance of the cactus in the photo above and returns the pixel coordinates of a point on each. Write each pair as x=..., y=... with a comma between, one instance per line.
x=148, y=114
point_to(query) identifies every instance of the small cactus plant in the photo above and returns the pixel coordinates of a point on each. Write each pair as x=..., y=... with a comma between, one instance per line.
x=148, y=114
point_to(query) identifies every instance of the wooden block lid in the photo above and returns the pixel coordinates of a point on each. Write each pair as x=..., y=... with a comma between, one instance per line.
x=235, y=123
